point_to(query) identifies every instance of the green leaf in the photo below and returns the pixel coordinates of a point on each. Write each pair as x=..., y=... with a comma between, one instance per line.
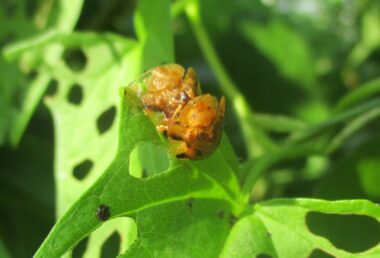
x=288, y=51
x=367, y=170
x=278, y=123
x=3, y=250
x=16, y=24
x=362, y=92
x=153, y=28
x=370, y=38
x=88, y=96
x=126, y=195
x=282, y=228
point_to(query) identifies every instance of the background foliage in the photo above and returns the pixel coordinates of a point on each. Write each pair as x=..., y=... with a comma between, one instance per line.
x=302, y=85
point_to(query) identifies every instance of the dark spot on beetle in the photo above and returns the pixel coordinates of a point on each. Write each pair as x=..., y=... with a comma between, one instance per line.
x=220, y=214
x=232, y=219
x=203, y=136
x=199, y=152
x=165, y=134
x=181, y=156
x=153, y=108
x=176, y=137
x=103, y=213
x=190, y=203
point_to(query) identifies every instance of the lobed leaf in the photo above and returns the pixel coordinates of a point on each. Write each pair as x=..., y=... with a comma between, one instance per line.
x=127, y=195
x=280, y=228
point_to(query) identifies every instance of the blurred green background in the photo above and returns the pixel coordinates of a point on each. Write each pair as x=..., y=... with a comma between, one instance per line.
x=295, y=58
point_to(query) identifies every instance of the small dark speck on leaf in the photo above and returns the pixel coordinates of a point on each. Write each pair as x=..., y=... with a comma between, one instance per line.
x=103, y=213
x=232, y=219
x=190, y=203
x=220, y=214
x=269, y=234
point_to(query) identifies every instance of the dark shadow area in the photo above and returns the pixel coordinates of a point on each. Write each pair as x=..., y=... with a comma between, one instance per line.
x=353, y=233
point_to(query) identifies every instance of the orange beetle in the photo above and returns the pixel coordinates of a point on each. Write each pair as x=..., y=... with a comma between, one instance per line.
x=192, y=123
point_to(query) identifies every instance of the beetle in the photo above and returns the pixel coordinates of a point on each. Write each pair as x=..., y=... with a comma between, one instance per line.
x=192, y=122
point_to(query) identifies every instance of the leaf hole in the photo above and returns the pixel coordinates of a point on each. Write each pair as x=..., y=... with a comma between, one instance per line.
x=148, y=159
x=111, y=246
x=80, y=248
x=105, y=120
x=75, y=95
x=31, y=8
x=32, y=75
x=75, y=59
x=353, y=233
x=318, y=253
x=52, y=87
x=81, y=170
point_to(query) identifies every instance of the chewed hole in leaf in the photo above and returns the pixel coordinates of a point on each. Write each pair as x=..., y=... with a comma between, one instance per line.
x=353, y=233
x=148, y=159
x=75, y=95
x=52, y=87
x=81, y=170
x=318, y=253
x=32, y=75
x=75, y=59
x=263, y=256
x=80, y=248
x=106, y=119
x=31, y=8
x=111, y=247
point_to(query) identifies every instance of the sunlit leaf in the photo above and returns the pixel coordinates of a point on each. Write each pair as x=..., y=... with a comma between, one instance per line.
x=23, y=84
x=286, y=228
x=172, y=192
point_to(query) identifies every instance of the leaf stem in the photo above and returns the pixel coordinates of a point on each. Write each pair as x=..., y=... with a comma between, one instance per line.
x=256, y=141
